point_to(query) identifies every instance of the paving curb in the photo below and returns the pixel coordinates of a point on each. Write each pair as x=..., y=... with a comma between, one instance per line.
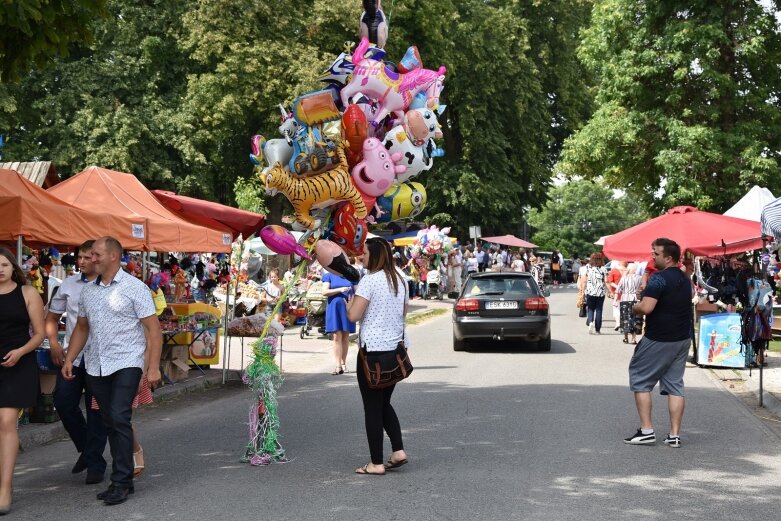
x=36, y=434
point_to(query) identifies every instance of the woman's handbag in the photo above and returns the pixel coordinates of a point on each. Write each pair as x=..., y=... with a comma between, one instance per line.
x=385, y=368
x=582, y=313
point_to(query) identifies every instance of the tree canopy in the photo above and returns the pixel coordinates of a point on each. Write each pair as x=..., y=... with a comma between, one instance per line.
x=687, y=101
x=172, y=92
x=580, y=212
x=32, y=32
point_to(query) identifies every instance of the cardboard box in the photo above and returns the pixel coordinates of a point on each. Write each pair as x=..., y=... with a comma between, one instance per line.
x=176, y=370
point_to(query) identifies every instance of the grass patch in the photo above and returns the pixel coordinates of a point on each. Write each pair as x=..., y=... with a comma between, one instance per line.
x=775, y=346
x=428, y=314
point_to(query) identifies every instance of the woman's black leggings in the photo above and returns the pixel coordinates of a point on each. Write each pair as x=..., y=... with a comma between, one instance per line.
x=378, y=415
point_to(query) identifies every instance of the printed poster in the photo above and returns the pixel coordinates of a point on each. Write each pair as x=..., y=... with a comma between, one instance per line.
x=719, y=341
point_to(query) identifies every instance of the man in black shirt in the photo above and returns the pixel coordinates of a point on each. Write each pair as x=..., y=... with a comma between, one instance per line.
x=660, y=357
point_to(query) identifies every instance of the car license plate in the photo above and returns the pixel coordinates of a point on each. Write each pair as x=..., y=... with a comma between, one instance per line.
x=501, y=304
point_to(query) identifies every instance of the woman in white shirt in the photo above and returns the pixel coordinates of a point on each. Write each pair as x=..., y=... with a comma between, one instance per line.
x=380, y=305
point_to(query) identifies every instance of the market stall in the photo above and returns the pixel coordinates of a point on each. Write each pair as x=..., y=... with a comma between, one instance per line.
x=96, y=189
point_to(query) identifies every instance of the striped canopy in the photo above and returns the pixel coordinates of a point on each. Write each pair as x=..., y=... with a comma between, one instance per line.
x=771, y=219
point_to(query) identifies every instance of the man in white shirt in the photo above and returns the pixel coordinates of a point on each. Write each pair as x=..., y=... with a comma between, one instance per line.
x=117, y=313
x=89, y=436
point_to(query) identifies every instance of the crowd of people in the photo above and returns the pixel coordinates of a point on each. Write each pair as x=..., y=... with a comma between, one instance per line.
x=111, y=352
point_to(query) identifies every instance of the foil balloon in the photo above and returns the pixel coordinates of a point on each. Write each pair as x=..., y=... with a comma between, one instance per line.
x=401, y=201
x=346, y=230
x=374, y=24
x=332, y=258
x=355, y=128
x=377, y=172
x=394, y=91
x=281, y=241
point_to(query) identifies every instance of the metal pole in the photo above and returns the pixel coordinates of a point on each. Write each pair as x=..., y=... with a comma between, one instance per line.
x=226, y=337
x=19, y=246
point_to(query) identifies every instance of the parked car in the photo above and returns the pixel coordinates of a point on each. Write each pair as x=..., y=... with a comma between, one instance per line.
x=499, y=306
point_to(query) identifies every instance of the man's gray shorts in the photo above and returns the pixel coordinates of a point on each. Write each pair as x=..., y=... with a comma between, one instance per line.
x=662, y=362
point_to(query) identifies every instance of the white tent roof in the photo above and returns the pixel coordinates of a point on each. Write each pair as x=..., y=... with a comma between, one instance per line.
x=750, y=206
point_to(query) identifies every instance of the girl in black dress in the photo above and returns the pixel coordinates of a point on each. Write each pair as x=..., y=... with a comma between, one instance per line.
x=20, y=307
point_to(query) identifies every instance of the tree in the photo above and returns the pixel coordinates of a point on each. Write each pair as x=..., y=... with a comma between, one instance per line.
x=688, y=108
x=33, y=32
x=580, y=212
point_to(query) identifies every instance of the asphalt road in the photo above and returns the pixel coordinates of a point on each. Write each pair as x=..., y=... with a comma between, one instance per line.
x=498, y=433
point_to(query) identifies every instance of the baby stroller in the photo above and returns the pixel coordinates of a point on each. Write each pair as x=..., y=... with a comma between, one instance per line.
x=315, y=304
x=433, y=280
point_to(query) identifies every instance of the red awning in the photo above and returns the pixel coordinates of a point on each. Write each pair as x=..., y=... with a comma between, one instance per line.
x=509, y=240
x=211, y=214
x=700, y=233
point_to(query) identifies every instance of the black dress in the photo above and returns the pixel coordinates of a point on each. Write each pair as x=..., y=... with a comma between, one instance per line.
x=19, y=386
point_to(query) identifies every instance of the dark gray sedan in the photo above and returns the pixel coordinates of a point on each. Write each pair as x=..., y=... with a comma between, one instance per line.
x=499, y=306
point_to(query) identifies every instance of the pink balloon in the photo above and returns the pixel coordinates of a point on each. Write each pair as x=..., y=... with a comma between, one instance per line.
x=281, y=241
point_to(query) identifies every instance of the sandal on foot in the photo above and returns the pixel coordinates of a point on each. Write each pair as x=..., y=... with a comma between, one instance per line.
x=390, y=464
x=337, y=371
x=365, y=471
x=138, y=462
x=626, y=340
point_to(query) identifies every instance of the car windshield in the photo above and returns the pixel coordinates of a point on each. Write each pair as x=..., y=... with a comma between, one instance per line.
x=516, y=287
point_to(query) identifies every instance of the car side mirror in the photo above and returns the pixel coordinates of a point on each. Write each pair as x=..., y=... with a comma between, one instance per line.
x=546, y=292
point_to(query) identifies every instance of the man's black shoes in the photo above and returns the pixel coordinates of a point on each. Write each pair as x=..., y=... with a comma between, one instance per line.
x=115, y=495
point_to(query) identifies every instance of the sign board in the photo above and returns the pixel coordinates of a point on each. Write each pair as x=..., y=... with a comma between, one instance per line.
x=719, y=341
x=138, y=231
x=474, y=232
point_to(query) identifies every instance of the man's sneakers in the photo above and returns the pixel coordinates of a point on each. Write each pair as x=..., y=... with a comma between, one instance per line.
x=641, y=439
x=649, y=439
x=592, y=329
x=673, y=441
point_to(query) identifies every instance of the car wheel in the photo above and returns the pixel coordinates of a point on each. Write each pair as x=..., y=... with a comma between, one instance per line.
x=458, y=345
x=544, y=344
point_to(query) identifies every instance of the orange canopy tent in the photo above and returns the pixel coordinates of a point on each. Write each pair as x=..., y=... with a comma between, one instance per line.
x=30, y=213
x=98, y=189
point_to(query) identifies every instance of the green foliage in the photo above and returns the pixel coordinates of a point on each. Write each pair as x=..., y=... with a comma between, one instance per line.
x=172, y=91
x=688, y=110
x=580, y=212
x=32, y=32
x=249, y=195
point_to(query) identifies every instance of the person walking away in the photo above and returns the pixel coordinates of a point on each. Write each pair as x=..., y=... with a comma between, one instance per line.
x=596, y=283
x=21, y=309
x=88, y=434
x=628, y=287
x=471, y=263
x=338, y=289
x=555, y=268
x=613, y=278
x=575, y=270
x=660, y=357
x=482, y=259
x=118, y=315
x=517, y=264
x=380, y=304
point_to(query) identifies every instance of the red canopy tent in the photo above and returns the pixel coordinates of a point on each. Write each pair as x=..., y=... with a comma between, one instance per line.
x=699, y=233
x=213, y=215
x=509, y=240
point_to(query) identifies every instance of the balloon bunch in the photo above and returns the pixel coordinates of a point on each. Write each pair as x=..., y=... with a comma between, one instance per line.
x=345, y=159
x=348, y=153
x=431, y=242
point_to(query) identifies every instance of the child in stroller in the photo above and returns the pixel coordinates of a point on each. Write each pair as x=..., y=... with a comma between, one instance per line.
x=433, y=283
x=315, y=304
